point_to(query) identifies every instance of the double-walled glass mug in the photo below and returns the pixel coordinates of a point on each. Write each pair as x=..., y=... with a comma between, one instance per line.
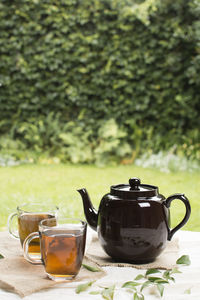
x=62, y=245
x=29, y=217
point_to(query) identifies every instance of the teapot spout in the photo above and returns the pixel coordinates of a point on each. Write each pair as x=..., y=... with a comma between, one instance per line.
x=91, y=214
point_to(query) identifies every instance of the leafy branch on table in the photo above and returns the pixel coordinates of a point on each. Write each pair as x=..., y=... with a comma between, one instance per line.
x=140, y=282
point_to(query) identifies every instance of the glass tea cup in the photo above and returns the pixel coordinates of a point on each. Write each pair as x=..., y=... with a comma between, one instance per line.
x=28, y=218
x=62, y=245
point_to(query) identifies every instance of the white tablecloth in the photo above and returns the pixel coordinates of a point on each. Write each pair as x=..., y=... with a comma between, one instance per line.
x=189, y=279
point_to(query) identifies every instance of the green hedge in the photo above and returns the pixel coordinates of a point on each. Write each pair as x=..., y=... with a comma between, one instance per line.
x=71, y=69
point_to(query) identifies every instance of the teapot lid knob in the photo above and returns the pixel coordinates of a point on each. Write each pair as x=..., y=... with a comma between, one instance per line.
x=134, y=183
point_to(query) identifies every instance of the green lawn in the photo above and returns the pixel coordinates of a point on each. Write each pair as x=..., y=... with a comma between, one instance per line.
x=58, y=184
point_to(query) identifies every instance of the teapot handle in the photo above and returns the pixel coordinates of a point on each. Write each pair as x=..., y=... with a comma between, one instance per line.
x=185, y=200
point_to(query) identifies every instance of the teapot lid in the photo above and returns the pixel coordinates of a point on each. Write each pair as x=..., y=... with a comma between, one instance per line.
x=134, y=190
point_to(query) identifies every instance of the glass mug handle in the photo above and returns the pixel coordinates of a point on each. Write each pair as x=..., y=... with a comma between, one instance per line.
x=29, y=238
x=10, y=223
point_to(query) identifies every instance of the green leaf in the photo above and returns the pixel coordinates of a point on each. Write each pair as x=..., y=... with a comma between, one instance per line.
x=1, y=256
x=157, y=280
x=83, y=287
x=184, y=260
x=160, y=288
x=108, y=293
x=171, y=278
x=138, y=277
x=90, y=268
x=175, y=270
x=162, y=281
x=167, y=275
x=130, y=284
x=95, y=292
x=188, y=291
x=138, y=296
x=152, y=271
x=145, y=284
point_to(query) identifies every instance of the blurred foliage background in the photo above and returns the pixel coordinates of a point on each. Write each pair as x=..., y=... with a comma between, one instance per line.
x=99, y=81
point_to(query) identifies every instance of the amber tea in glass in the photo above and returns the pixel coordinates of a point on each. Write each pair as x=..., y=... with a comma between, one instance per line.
x=29, y=217
x=62, y=247
x=28, y=223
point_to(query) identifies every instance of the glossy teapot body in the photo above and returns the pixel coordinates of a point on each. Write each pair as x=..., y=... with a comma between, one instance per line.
x=133, y=221
x=133, y=231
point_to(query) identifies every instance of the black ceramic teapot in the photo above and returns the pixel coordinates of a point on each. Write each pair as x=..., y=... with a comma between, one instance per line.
x=133, y=221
